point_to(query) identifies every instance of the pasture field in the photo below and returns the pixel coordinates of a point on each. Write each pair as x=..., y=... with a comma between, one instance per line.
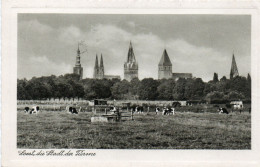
x=184, y=130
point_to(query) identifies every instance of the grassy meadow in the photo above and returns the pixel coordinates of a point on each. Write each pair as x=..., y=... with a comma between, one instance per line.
x=184, y=130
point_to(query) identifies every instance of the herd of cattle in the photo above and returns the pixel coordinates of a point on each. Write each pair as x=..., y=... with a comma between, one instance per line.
x=113, y=109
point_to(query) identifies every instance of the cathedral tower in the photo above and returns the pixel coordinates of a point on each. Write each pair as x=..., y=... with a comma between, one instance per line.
x=78, y=69
x=96, y=69
x=165, y=66
x=130, y=66
x=234, y=70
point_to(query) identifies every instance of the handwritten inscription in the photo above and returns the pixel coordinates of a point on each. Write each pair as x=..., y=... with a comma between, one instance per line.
x=55, y=153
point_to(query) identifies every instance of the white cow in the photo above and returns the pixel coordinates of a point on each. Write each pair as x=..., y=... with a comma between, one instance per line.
x=35, y=110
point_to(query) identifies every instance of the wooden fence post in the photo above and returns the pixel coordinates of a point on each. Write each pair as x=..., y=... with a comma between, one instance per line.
x=132, y=115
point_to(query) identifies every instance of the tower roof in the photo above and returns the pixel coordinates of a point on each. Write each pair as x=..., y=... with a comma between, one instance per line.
x=234, y=70
x=96, y=63
x=165, y=60
x=101, y=61
x=131, y=55
x=78, y=51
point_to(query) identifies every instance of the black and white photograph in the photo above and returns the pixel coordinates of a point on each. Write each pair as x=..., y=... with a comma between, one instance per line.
x=134, y=81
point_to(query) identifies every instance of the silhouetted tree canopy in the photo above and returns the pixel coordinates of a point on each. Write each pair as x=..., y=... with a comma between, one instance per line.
x=70, y=86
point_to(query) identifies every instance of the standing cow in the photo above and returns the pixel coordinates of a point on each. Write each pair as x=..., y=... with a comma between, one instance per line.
x=139, y=109
x=157, y=110
x=35, y=110
x=26, y=110
x=72, y=110
x=223, y=111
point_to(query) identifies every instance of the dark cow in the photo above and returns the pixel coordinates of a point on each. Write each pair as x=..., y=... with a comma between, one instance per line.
x=35, y=110
x=168, y=111
x=157, y=110
x=223, y=111
x=73, y=110
x=113, y=109
x=139, y=109
x=26, y=109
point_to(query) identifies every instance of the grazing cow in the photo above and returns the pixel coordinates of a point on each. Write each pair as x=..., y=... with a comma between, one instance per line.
x=168, y=111
x=139, y=109
x=157, y=110
x=73, y=110
x=113, y=109
x=223, y=111
x=26, y=109
x=35, y=110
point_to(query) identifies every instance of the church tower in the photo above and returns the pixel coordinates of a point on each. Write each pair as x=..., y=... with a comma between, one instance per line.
x=165, y=66
x=78, y=69
x=234, y=70
x=130, y=66
x=96, y=69
x=101, y=68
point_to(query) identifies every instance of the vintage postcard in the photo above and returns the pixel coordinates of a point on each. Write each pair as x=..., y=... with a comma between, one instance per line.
x=137, y=84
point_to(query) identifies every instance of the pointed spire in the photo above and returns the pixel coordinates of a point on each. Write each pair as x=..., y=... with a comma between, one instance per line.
x=78, y=51
x=101, y=61
x=234, y=70
x=131, y=55
x=248, y=77
x=96, y=63
x=165, y=60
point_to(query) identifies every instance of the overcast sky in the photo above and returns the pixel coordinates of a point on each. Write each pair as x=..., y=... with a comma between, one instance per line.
x=197, y=44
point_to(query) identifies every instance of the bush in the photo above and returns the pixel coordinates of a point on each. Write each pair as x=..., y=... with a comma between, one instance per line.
x=228, y=105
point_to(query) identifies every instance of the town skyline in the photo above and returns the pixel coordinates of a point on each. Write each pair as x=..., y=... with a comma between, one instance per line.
x=211, y=52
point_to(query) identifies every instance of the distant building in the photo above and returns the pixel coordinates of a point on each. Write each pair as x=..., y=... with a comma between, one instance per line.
x=78, y=69
x=237, y=104
x=234, y=70
x=99, y=71
x=112, y=77
x=130, y=66
x=165, y=69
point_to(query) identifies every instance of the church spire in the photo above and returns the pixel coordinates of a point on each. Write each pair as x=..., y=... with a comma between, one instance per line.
x=78, y=51
x=234, y=70
x=96, y=63
x=131, y=55
x=96, y=68
x=165, y=60
x=78, y=69
x=78, y=58
x=101, y=71
x=101, y=61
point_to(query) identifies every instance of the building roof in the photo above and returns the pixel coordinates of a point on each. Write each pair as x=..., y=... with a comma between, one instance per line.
x=96, y=63
x=165, y=60
x=234, y=70
x=131, y=55
x=101, y=61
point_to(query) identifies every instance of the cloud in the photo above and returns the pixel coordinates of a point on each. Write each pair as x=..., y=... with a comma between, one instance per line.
x=35, y=25
x=70, y=35
x=113, y=42
x=131, y=24
x=41, y=66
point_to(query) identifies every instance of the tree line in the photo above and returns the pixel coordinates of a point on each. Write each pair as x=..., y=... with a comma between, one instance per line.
x=70, y=86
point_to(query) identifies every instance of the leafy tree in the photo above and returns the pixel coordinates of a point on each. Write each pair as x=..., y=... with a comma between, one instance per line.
x=120, y=90
x=215, y=96
x=224, y=78
x=148, y=89
x=233, y=95
x=179, y=89
x=165, y=89
x=215, y=77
